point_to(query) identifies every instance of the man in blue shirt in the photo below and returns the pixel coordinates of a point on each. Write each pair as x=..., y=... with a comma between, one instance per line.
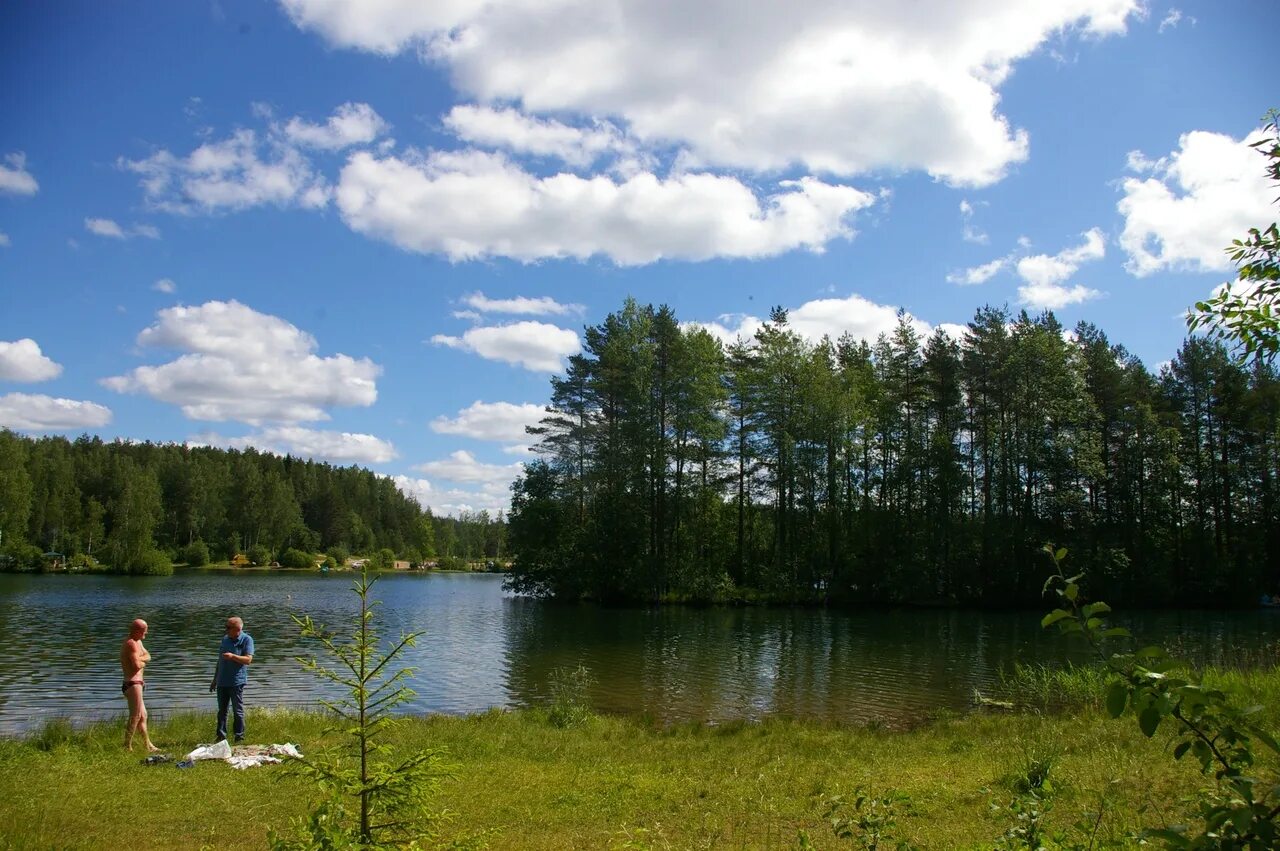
x=230, y=678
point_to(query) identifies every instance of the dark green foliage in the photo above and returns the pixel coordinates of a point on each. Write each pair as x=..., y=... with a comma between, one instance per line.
x=259, y=555
x=150, y=563
x=914, y=470
x=196, y=553
x=371, y=800
x=296, y=559
x=114, y=501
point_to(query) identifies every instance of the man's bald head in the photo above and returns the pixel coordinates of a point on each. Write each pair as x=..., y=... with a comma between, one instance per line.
x=138, y=628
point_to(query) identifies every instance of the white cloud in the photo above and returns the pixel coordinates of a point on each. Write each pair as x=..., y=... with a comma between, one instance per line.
x=340, y=447
x=499, y=421
x=1195, y=201
x=462, y=467
x=34, y=412
x=970, y=233
x=1044, y=274
x=1173, y=18
x=861, y=318
x=350, y=124
x=831, y=86
x=245, y=366
x=469, y=315
x=1054, y=296
x=109, y=228
x=104, y=227
x=14, y=178
x=4, y=240
x=453, y=501
x=22, y=360
x=978, y=274
x=541, y=306
x=536, y=346
x=1043, y=269
x=165, y=285
x=514, y=131
x=472, y=205
x=233, y=174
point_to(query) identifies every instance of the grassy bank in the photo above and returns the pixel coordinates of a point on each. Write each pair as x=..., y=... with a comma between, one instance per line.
x=621, y=783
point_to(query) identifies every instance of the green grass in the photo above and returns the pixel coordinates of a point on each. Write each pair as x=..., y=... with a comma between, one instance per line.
x=617, y=782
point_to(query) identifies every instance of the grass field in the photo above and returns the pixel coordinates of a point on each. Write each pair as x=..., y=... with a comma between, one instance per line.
x=624, y=783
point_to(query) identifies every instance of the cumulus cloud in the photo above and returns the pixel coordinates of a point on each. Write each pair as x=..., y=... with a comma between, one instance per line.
x=1044, y=274
x=1046, y=269
x=1193, y=202
x=454, y=501
x=541, y=306
x=22, y=360
x=473, y=204
x=34, y=412
x=109, y=228
x=978, y=274
x=504, y=422
x=463, y=467
x=340, y=447
x=246, y=366
x=514, y=131
x=235, y=173
x=831, y=86
x=165, y=285
x=14, y=177
x=861, y=318
x=536, y=346
x=1054, y=296
x=350, y=124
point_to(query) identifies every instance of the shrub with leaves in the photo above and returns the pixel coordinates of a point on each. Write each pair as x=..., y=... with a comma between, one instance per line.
x=864, y=820
x=569, y=703
x=1241, y=810
x=372, y=800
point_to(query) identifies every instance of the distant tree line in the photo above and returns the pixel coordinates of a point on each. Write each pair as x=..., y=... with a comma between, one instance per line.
x=922, y=470
x=135, y=505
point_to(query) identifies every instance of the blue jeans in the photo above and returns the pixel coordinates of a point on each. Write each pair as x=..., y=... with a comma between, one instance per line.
x=233, y=695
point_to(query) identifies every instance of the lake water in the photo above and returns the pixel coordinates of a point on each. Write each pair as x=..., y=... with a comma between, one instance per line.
x=483, y=647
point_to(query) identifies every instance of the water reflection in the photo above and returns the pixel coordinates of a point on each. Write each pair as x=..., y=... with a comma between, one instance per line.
x=481, y=647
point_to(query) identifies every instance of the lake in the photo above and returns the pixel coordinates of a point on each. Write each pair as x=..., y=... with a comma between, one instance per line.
x=483, y=647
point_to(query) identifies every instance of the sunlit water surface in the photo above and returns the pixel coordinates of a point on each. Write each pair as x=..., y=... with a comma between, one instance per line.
x=482, y=647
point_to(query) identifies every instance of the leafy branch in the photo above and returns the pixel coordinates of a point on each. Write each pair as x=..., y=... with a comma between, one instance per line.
x=1240, y=812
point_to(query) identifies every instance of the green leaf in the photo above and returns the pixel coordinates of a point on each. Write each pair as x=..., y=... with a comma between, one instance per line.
x=1093, y=609
x=1181, y=750
x=1117, y=632
x=1053, y=617
x=1149, y=721
x=1117, y=698
x=1060, y=554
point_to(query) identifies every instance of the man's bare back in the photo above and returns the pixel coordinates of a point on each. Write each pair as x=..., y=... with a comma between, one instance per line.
x=133, y=659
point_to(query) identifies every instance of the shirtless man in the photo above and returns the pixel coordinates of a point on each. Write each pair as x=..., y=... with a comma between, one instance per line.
x=133, y=658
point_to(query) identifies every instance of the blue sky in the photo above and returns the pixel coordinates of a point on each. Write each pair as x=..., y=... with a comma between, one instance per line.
x=369, y=231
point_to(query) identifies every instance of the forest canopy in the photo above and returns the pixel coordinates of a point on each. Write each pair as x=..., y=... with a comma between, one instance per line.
x=915, y=469
x=118, y=503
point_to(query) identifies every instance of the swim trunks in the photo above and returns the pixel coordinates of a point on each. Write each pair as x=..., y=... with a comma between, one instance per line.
x=128, y=684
